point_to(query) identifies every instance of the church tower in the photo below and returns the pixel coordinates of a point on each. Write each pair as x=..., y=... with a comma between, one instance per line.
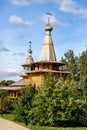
x=48, y=52
x=29, y=58
x=27, y=66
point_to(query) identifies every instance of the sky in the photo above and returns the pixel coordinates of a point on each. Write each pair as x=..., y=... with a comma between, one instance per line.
x=22, y=21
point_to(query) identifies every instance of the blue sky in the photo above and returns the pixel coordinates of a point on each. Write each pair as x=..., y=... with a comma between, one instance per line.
x=22, y=21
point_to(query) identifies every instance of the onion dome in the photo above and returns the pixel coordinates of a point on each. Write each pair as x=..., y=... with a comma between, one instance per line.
x=29, y=58
x=48, y=27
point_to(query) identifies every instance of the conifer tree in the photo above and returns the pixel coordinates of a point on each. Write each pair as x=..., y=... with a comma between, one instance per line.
x=83, y=72
x=71, y=64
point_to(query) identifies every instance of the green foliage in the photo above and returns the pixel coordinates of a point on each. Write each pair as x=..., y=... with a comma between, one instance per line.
x=83, y=72
x=11, y=118
x=6, y=104
x=3, y=95
x=56, y=128
x=8, y=116
x=24, y=105
x=59, y=103
x=71, y=64
x=6, y=82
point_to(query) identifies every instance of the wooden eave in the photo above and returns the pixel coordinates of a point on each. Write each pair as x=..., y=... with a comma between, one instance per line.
x=49, y=62
x=46, y=71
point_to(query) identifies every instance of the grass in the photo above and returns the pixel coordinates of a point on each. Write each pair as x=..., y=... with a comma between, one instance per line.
x=10, y=117
x=56, y=128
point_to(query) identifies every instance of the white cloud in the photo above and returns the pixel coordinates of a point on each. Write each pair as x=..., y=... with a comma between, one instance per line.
x=53, y=21
x=9, y=74
x=68, y=6
x=71, y=7
x=18, y=20
x=21, y=2
x=83, y=12
x=40, y=1
x=28, y=2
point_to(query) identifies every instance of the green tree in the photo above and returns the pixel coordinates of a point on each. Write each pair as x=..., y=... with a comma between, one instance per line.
x=8, y=105
x=24, y=104
x=71, y=64
x=3, y=96
x=57, y=103
x=6, y=82
x=40, y=113
x=83, y=72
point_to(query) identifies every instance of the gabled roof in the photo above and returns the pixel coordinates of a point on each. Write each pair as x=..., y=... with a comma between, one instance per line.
x=10, y=88
x=19, y=83
x=15, y=86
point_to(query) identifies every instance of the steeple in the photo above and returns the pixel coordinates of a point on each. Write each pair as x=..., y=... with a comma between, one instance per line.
x=29, y=58
x=48, y=52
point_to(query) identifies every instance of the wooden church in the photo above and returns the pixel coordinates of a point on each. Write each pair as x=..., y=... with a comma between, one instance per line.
x=33, y=71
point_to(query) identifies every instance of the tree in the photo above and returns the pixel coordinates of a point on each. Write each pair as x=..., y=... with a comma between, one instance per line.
x=3, y=95
x=59, y=103
x=6, y=104
x=83, y=72
x=71, y=64
x=40, y=113
x=6, y=82
x=24, y=104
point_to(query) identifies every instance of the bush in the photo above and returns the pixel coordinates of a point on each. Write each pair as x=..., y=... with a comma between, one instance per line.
x=57, y=103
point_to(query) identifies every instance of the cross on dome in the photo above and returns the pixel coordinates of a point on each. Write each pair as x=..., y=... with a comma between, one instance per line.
x=49, y=14
x=30, y=51
x=30, y=44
